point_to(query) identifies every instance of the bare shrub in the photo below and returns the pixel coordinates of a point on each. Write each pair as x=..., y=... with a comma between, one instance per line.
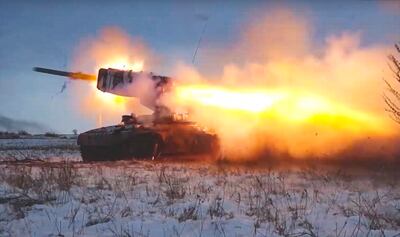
x=216, y=208
x=174, y=185
x=126, y=230
x=66, y=177
x=393, y=99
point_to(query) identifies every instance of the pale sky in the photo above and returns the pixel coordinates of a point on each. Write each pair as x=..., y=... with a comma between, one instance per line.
x=45, y=33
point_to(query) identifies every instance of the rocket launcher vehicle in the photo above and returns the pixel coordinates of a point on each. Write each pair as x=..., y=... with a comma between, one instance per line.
x=166, y=136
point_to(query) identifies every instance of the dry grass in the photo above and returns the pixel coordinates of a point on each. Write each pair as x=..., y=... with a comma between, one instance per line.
x=123, y=197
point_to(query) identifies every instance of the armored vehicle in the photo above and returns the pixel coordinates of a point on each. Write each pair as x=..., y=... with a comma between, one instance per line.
x=162, y=134
x=169, y=136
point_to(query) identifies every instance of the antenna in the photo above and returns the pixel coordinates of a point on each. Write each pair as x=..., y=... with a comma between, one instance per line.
x=201, y=36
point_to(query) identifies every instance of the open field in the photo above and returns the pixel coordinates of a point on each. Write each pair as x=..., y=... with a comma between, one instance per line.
x=49, y=149
x=46, y=191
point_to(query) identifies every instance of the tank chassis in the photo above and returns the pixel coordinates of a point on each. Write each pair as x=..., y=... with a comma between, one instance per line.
x=144, y=137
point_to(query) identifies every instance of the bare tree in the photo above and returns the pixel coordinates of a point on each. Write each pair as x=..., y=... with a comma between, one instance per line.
x=392, y=99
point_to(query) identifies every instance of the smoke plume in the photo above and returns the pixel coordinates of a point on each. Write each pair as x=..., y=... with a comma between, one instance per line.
x=12, y=125
x=302, y=100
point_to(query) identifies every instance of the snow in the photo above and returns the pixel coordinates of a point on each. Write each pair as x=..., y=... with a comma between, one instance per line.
x=39, y=148
x=39, y=143
x=66, y=197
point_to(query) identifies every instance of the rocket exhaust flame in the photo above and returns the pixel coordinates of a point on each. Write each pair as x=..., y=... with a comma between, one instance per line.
x=299, y=124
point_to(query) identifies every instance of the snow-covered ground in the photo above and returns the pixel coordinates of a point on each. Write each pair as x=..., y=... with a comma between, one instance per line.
x=49, y=149
x=38, y=143
x=143, y=198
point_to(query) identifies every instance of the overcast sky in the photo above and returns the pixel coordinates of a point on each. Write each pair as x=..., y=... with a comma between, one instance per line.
x=45, y=33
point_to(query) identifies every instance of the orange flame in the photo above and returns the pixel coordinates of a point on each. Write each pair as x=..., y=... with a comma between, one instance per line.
x=112, y=48
x=284, y=104
x=248, y=119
